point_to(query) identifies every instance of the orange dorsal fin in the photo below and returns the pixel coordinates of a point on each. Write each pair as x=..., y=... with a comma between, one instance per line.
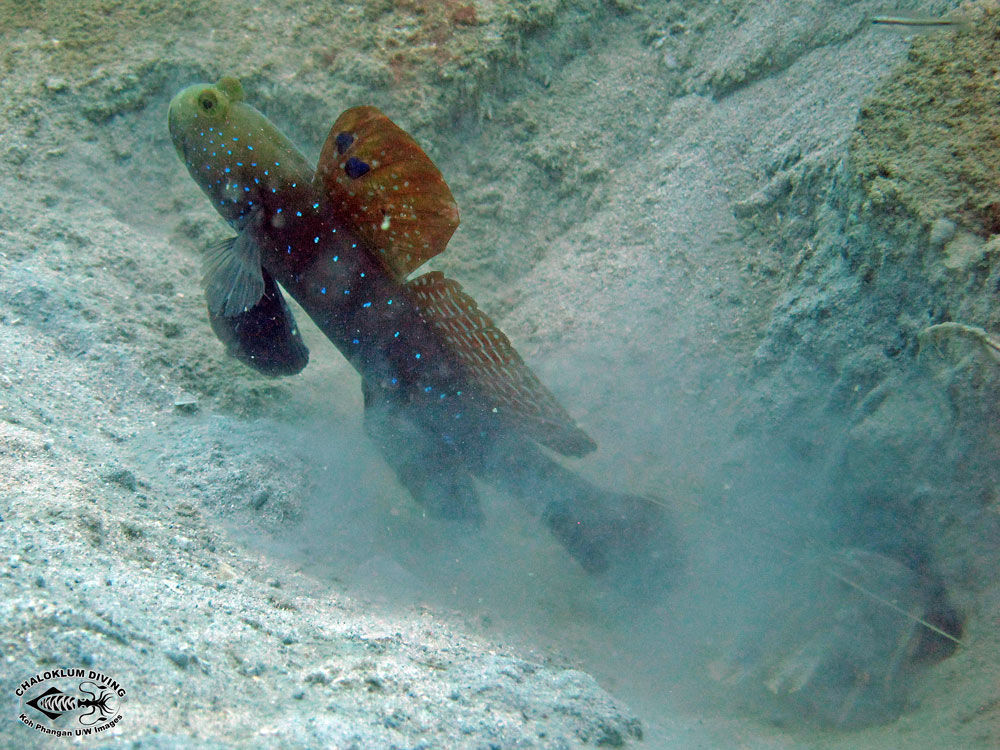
x=386, y=189
x=494, y=367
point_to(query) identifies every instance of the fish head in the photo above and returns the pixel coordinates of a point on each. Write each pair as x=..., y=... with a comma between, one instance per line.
x=234, y=153
x=202, y=107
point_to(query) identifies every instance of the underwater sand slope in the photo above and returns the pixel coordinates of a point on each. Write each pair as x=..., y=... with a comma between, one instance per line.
x=638, y=188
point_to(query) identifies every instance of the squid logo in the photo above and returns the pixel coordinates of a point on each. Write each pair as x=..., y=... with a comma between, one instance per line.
x=51, y=706
x=97, y=703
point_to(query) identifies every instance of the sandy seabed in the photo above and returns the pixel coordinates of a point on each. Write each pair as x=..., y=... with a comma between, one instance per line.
x=697, y=223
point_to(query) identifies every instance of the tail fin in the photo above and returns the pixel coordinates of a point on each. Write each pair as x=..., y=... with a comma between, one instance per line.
x=625, y=538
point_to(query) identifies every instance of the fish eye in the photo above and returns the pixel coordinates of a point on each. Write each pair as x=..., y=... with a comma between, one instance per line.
x=208, y=100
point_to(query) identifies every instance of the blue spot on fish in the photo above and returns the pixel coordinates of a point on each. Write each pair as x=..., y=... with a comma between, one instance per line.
x=323, y=290
x=367, y=304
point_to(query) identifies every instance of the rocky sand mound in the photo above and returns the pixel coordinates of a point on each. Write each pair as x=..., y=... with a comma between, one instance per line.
x=750, y=245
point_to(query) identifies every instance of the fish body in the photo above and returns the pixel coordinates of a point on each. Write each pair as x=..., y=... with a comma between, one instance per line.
x=446, y=395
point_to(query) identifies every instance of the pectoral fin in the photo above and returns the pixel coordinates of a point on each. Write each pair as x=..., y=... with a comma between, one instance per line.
x=264, y=336
x=233, y=281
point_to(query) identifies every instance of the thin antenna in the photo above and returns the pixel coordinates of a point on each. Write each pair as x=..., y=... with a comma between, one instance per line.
x=920, y=22
x=896, y=607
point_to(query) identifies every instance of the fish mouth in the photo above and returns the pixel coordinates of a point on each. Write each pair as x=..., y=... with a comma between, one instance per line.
x=173, y=124
x=176, y=126
x=172, y=117
x=181, y=115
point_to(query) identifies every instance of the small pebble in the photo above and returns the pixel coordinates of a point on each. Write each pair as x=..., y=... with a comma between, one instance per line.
x=180, y=658
x=186, y=404
x=122, y=477
x=55, y=84
x=183, y=542
x=942, y=230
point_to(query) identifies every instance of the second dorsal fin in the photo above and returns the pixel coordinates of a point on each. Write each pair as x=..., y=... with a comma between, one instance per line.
x=386, y=189
x=495, y=367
